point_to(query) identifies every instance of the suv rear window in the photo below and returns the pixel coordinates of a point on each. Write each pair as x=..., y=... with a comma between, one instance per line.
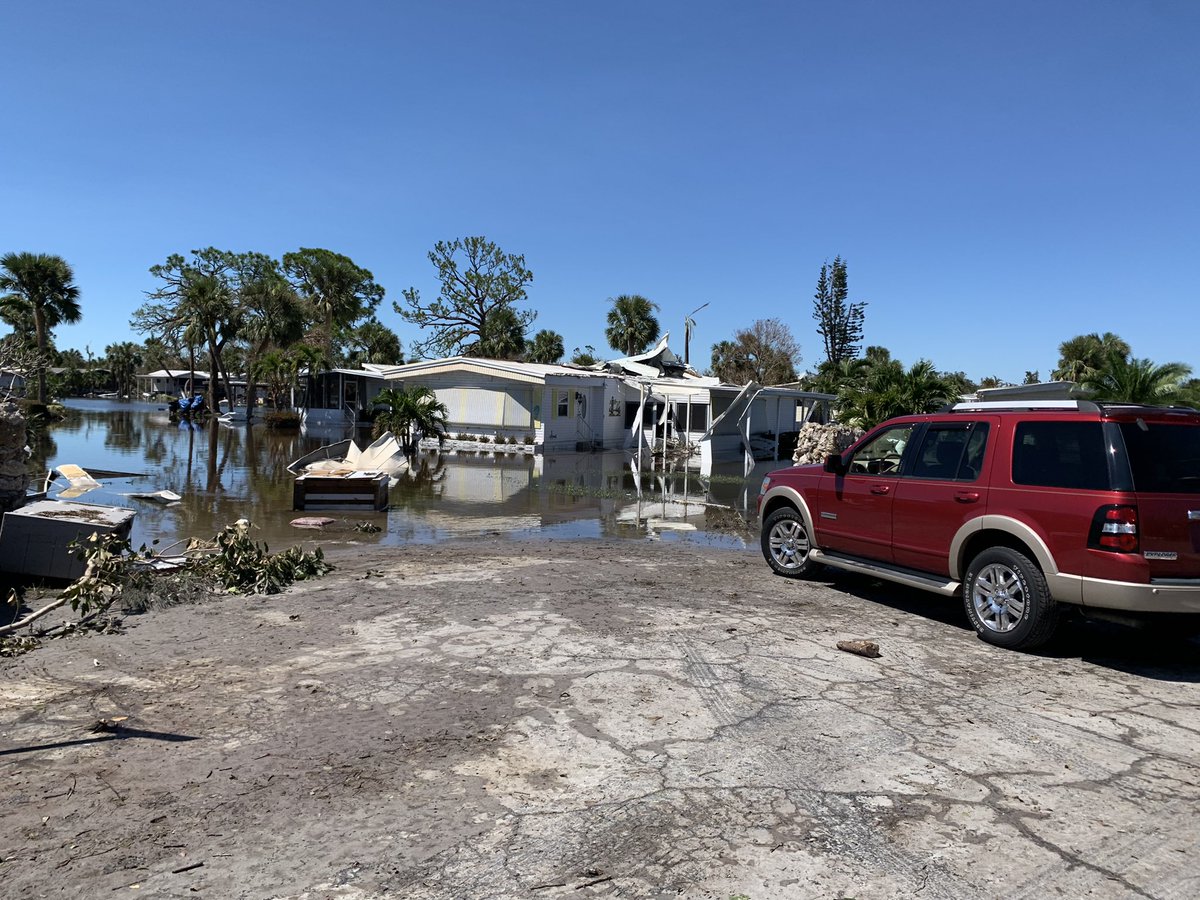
x=1165, y=458
x=1060, y=454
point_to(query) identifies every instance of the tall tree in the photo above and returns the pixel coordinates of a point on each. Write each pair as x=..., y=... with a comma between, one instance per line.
x=478, y=281
x=123, y=360
x=196, y=305
x=373, y=342
x=632, y=326
x=839, y=322
x=765, y=353
x=273, y=317
x=42, y=286
x=1085, y=354
x=546, y=347
x=503, y=337
x=339, y=292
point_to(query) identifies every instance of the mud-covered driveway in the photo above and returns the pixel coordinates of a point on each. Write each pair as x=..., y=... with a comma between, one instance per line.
x=540, y=720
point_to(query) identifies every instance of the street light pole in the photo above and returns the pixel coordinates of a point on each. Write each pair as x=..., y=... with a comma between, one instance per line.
x=688, y=324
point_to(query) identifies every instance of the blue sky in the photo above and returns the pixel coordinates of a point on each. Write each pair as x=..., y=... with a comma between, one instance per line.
x=999, y=177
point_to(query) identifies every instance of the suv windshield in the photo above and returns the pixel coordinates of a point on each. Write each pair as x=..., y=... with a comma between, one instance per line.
x=1165, y=458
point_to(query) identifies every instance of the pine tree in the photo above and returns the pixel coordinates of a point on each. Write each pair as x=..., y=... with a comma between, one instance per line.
x=839, y=322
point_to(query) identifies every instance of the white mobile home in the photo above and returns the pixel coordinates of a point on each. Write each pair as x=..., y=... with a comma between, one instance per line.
x=640, y=403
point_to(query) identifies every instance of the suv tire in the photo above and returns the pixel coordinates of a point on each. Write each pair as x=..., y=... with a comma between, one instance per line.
x=786, y=544
x=1007, y=600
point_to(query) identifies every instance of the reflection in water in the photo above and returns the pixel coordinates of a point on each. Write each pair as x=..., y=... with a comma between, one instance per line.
x=226, y=473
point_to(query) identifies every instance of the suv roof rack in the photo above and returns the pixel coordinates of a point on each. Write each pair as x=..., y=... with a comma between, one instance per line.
x=1081, y=405
x=974, y=405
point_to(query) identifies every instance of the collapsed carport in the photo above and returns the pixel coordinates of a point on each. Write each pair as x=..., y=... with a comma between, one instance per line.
x=758, y=423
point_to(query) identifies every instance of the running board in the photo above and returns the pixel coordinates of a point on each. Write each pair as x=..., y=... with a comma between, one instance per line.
x=944, y=586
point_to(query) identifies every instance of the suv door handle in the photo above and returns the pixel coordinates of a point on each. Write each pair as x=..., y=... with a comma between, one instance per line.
x=880, y=488
x=966, y=496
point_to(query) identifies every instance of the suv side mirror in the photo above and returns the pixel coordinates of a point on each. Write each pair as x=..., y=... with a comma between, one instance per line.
x=834, y=464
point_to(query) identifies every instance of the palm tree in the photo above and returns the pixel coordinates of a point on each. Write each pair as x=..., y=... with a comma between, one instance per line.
x=374, y=342
x=123, y=360
x=277, y=373
x=1127, y=380
x=1085, y=354
x=888, y=390
x=409, y=413
x=632, y=326
x=43, y=286
x=339, y=291
x=273, y=319
x=832, y=377
x=546, y=347
x=503, y=336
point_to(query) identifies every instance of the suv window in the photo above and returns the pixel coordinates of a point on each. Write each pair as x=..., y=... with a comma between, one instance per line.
x=1165, y=459
x=1060, y=454
x=881, y=455
x=952, y=451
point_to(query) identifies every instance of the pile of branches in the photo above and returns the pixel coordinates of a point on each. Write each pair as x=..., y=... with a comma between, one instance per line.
x=232, y=562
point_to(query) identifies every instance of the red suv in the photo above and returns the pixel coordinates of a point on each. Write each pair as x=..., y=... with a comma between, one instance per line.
x=1021, y=508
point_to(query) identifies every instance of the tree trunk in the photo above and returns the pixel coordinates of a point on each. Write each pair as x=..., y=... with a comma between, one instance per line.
x=39, y=330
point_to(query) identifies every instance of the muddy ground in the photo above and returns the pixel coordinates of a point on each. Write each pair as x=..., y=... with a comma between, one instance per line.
x=589, y=719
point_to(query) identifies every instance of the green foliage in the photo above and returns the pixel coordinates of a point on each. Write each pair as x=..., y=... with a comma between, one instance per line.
x=197, y=305
x=336, y=290
x=839, y=322
x=123, y=360
x=585, y=357
x=373, y=342
x=409, y=412
x=546, y=348
x=632, y=325
x=503, y=337
x=1126, y=380
x=107, y=558
x=1083, y=355
x=478, y=281
x=765, y=353
x=38, y=290
x=282, y=419
x=886, y=389
x=245, y=566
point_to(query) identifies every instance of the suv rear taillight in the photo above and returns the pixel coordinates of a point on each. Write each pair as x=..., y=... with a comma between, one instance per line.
x=1115, y=528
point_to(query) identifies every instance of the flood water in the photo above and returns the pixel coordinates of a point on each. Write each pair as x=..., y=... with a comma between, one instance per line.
x=225, y=473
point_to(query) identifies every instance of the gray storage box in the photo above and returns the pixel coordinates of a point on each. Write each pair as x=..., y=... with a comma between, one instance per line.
x=34, y=538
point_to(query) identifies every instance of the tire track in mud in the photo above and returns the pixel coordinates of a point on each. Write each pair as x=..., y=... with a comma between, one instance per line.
x=702, y=676
x=1121, y=857
x=850, y=831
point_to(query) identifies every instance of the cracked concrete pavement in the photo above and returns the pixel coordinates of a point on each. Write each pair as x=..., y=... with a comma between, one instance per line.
x=495, y=719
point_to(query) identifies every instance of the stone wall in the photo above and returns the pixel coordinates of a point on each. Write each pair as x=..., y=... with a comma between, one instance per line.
x=14, y=472
x=816, y=441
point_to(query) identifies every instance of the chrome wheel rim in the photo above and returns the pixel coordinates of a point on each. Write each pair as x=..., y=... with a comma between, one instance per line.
x=998, y=597
x=789, y=544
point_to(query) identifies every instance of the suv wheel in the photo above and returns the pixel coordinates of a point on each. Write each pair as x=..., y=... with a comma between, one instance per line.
x=1007, y=600
x=786, y=544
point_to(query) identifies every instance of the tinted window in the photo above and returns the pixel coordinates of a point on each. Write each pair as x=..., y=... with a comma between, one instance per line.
x=1165, y=459
x=1060, y=454
x=952, y=451
x=881, y=455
